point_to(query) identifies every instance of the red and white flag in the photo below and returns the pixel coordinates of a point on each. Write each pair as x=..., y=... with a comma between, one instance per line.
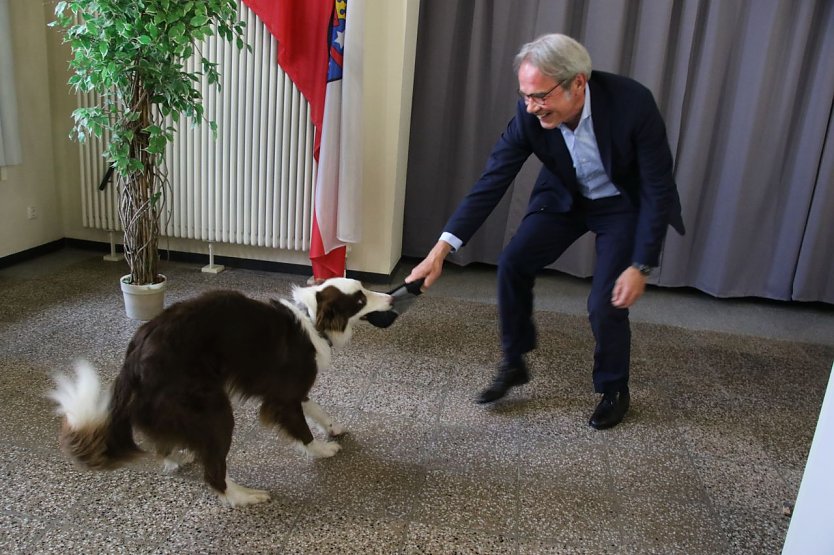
x=324, y=61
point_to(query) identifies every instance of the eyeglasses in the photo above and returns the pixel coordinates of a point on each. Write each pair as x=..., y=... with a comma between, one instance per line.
x=539, y=98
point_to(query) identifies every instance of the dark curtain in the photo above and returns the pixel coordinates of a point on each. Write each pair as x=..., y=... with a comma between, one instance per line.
x=746, y=89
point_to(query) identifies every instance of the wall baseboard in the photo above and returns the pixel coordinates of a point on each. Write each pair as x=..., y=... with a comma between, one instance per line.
x=179, y=256
x=32, y=253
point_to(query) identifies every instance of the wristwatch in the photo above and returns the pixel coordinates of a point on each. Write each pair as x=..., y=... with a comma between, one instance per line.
x=644, y=269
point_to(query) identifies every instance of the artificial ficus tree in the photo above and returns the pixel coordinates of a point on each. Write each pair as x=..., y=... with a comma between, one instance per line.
x=133, y=54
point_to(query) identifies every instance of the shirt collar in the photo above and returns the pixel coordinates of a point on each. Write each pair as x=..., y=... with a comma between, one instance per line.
x=586, y=112
x=586, y=109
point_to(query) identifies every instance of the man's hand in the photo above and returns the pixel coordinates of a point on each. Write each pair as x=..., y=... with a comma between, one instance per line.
x=628, y=288
x=431, y=266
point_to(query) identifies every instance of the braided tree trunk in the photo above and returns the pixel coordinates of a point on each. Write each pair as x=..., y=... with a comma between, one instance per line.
x=140, y=199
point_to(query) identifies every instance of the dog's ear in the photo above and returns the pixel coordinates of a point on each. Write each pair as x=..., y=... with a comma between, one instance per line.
x=329, y=315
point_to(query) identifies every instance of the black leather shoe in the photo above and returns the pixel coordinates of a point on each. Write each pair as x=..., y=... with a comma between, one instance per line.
x=509, y=375
x=610, y=410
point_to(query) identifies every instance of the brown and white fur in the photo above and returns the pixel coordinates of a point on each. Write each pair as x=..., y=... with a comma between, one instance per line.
x=181, y=367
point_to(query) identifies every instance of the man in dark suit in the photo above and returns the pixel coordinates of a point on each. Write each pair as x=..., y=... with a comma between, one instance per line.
x=607, y=168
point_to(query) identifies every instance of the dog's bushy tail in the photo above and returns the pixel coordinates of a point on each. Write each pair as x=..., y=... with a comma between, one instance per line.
x=96, y=430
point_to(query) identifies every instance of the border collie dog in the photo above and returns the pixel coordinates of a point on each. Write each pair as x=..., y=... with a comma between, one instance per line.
x=181, y=368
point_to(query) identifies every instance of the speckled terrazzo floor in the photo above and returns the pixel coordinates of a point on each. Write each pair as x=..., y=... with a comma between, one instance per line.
x=714, y=445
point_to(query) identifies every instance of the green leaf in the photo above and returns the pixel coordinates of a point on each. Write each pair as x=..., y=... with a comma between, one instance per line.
x=157, y=144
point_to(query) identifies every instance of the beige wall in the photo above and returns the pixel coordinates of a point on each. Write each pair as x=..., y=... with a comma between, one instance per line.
x=48, y=177
x=391, y=37
x=31, y=183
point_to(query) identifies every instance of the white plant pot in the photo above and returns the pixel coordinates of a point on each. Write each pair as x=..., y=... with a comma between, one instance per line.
x=143, y=302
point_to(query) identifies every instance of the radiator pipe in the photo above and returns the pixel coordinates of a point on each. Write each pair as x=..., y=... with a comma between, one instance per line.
x=212, y=268
x=112, y=257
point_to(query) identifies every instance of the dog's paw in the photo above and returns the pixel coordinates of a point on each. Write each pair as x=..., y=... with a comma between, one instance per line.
x=335, y=429
x=170, y=466
x=237, y=496
x=177, y=460
x=322, y=449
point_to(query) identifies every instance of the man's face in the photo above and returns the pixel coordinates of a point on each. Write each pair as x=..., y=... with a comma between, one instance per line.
x=553, y=103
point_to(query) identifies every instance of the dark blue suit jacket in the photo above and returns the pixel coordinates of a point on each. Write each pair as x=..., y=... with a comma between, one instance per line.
x=632, y=142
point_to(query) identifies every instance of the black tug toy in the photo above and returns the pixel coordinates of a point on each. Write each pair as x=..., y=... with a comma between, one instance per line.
x=404, y=296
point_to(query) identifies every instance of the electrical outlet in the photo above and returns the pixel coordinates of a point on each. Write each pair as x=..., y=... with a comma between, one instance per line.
x=31, y=212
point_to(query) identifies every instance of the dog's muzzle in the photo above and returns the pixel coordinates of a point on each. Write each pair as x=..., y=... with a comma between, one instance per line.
x=402, y=298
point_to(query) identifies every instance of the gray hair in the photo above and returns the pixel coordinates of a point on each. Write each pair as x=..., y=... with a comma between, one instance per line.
x=556, y=56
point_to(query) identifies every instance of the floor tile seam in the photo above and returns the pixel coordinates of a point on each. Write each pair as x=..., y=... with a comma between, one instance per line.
x=718, y=506
x=440, y=428
x=293, y=526
x=517, y=512
x=51, y=455
x=769, y=462
x=781, y=399
x=75, y=509
x=376, y=515
x=383, y=513
x=438, y=386
x=638, y=444
x=671, y=495
x=764, y=425
x=69, y=524
x=250, y=433
x=54, y=523
x=612, y=491
x=175, y=529
x=583, y=548
x=437, y=429
x=365, y=390
x=468, y=531
x=181, y=523
x=408, y=519
x=792, y=491
x=56, y=456
x=715, y=514
x=729, y=517
x=440, y=404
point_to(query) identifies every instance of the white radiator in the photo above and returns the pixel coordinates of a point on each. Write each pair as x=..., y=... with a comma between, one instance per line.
x=253, y=184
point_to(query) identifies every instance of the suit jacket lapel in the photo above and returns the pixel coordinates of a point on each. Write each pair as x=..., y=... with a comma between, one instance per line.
x=564, y=163
x=602, y=124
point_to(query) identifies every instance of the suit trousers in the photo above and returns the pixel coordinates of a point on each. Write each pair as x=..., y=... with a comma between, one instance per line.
x=541, y=238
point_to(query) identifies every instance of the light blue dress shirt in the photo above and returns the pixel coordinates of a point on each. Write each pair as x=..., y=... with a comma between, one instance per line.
x=582, y=145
